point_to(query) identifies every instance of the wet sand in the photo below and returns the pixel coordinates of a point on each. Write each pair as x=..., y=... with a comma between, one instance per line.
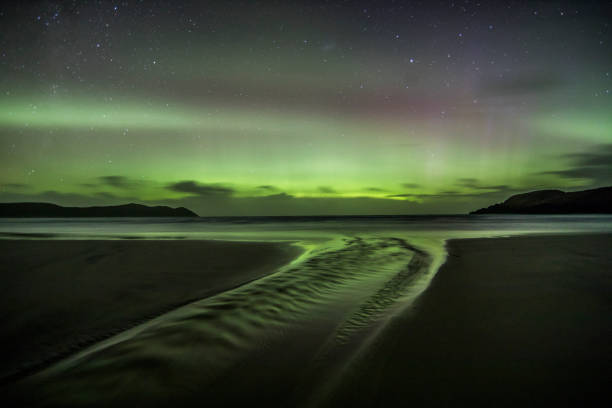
x=58, y=296
x=273, y=340
x=522, y=321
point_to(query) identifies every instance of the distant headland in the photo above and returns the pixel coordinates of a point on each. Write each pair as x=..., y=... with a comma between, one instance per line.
x=595, y=201
x=44, y=210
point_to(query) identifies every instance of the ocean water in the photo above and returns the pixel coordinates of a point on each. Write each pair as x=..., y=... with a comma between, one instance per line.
x=298, y=228
x=301, y=326
x=428, y=233
x=317, y=233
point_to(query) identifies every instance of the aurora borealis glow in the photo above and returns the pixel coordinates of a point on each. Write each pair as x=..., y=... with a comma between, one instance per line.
x=313, y=107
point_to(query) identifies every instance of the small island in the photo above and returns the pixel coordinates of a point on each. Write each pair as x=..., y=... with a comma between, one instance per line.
x=48, y=210
x=594, y=201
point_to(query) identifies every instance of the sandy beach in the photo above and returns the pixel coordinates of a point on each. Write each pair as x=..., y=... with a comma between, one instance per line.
x=521, y=321
x=505, y=322
x=58, y=296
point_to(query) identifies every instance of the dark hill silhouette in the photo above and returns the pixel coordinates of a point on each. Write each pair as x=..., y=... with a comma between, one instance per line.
x=596, y=201
x=127, y=210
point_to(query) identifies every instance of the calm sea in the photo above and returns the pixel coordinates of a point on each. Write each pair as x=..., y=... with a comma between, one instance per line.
x=300, y=228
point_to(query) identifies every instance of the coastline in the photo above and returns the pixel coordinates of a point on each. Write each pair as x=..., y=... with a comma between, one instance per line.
x=493, y=326
x=512, y=321
x=60, y=297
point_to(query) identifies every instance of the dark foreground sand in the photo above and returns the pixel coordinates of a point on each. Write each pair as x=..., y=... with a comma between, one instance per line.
x=58, y=296
x=523, y=321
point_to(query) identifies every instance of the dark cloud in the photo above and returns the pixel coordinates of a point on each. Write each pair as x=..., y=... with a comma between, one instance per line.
x=591, y=159
x=484, y=192
x=267, y=188
x=474, y=184
x=193, y=187
x=595, y=166
x=376, y=190
x=601, y=156
x=119, y=182
x=467, y=181
x=104, y=194
x=594, y=174
x=115, y=181
x=470, y=183
x=411, y=185
x=14, y=186
x=327, y=190
x=525, y=83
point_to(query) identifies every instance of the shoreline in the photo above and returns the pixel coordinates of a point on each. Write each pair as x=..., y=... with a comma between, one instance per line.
x=148, y=283
x=511, y=321
x=472, y=336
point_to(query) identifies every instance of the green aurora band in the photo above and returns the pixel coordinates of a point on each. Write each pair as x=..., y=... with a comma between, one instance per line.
x=311, y=129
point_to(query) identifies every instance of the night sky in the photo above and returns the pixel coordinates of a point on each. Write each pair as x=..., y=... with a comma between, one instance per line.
x=313, y=107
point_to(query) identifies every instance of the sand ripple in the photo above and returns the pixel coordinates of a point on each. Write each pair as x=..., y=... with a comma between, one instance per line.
x=318, y=308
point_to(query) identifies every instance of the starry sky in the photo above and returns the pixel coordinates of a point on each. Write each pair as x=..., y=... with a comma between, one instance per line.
x=303, y=107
